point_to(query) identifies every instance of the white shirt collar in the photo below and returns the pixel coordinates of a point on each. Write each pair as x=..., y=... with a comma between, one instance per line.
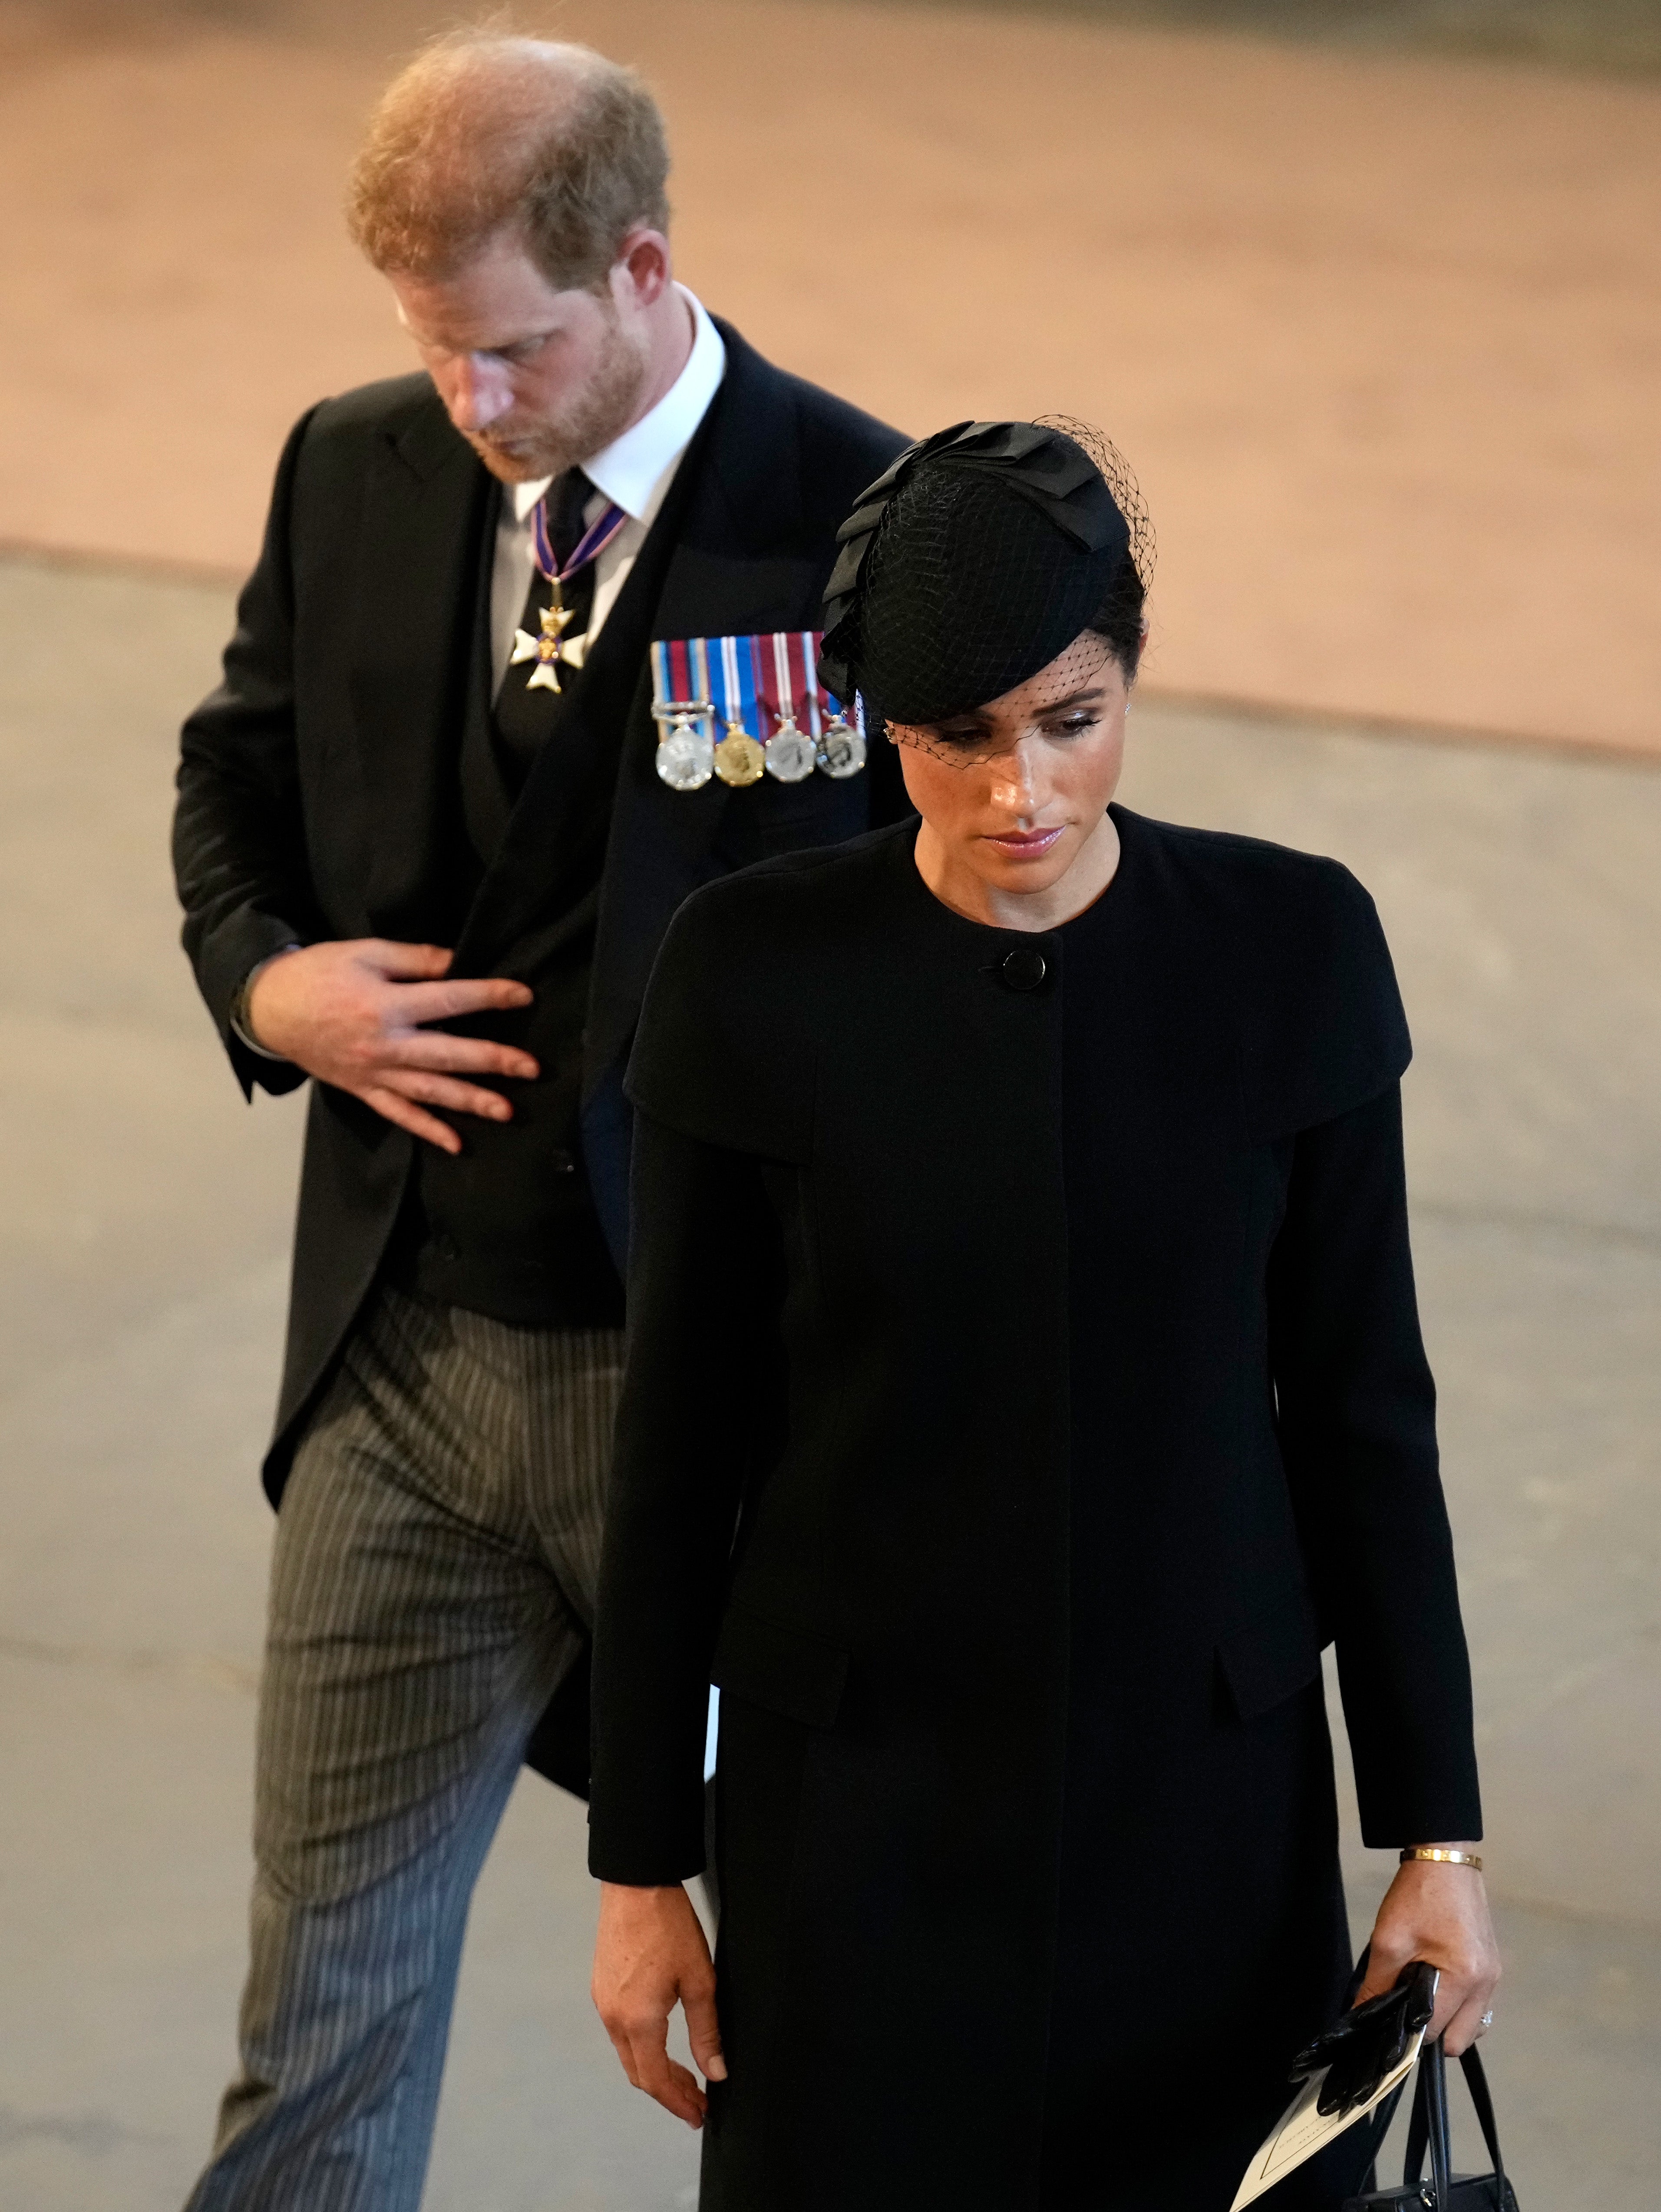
x=634, y=470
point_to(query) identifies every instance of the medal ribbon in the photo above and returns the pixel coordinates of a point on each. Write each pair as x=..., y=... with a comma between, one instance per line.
x=681, y=669
x=807, y=642
x=592, y=544
x=680, y=678
x=785, y=709
x=737, y=682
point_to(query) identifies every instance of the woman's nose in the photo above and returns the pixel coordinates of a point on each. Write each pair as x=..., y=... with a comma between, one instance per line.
x=1014, y=781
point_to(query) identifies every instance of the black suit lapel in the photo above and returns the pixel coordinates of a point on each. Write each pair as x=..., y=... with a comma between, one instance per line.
x=735, y=565
x=423, y=537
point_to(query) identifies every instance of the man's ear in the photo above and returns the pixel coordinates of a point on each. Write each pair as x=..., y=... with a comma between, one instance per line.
x=642, y=271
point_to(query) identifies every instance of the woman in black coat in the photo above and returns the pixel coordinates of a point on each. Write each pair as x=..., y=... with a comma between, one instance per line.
x=1025, y=1384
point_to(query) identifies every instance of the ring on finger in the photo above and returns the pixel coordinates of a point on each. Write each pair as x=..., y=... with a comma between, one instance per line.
x=1487, y=2021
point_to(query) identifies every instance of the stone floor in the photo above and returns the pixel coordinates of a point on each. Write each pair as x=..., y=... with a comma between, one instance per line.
x=142, y=1253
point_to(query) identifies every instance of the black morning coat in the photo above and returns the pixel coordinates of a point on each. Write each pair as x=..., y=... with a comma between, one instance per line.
x=841, y=1492
x=318, y=787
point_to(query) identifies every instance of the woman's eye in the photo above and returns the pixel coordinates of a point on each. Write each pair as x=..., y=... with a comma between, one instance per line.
x=1072, y=725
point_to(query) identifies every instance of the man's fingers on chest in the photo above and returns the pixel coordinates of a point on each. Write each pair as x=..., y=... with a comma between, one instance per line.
x=427, y=1049
x=414, y=1003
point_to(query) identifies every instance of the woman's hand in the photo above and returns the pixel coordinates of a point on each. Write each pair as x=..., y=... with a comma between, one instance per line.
x=1439, y=1913
x=650, y=1951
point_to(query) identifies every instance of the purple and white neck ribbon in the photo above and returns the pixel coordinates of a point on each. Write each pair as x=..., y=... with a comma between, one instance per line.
x=589, y=547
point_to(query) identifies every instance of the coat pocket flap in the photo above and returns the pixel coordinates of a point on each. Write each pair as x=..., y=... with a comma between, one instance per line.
x=783, y=1670
x=1274, y=1655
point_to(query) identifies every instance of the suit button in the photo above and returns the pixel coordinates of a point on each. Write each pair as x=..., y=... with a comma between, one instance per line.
x=446, y=1246
x=1024, y=969
x=561, y=1163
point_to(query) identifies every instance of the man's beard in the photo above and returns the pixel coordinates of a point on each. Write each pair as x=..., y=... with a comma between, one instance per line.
x=521, y=452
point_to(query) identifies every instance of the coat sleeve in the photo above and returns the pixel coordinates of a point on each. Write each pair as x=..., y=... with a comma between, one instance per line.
x=1356, y=1409
x=239, y=844
x=703, y=1273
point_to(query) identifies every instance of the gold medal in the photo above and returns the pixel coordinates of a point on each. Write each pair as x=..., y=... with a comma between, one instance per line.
x=553, y=646
x=738, y=758
x=548, y=650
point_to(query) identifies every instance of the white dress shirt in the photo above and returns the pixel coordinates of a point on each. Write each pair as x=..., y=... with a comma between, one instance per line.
x=633, y=472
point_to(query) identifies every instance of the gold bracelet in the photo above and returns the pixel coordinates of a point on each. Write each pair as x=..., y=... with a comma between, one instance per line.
x=1445, y=1858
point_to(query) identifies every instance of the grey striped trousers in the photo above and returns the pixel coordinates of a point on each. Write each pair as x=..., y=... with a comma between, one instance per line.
x=435, y=1561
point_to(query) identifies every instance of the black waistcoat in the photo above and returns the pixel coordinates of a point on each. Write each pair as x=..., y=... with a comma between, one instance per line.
x=508, y=1226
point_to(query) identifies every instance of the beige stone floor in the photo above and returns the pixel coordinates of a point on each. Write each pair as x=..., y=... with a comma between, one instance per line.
x=1381, y=333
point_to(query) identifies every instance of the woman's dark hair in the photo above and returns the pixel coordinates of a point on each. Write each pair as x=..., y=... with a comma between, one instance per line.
x=1119, y=617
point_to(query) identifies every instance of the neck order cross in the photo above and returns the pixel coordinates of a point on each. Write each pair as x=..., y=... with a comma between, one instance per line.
x=552, y=645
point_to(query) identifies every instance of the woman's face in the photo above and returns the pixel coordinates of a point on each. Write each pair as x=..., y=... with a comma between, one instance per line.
x=1012, y=794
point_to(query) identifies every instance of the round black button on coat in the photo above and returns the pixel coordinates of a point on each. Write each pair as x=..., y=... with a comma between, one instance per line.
x=1024, y=969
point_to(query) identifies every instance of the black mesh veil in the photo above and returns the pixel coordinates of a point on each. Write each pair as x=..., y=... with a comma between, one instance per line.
x=979, y=558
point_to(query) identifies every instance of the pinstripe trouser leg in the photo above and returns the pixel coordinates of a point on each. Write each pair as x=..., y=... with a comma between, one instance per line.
x=435, y=1561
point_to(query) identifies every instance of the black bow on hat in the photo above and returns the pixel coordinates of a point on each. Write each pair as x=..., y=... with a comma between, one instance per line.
x=1009, y=587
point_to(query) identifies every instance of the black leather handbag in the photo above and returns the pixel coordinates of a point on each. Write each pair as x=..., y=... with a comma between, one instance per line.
x=1443, y=2190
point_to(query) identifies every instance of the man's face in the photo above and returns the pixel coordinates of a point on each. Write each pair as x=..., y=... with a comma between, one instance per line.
x=536, y=381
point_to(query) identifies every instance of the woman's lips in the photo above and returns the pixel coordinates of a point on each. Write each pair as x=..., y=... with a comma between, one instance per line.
x=1025, y=844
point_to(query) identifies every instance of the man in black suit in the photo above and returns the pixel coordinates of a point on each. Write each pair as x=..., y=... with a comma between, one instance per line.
x=427, y=840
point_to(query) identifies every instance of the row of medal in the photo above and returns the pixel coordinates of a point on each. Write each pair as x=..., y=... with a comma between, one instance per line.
x=765, y=690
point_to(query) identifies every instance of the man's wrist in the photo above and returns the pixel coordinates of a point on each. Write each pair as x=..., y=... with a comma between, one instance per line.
x=241, y=1021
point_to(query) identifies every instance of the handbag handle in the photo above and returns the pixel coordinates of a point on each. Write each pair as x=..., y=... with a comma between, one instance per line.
x=1429, y=2122
x=1477, y=2082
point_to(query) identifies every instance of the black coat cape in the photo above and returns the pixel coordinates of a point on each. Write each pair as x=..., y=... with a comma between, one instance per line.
x=841, y=1493
x=319, y=786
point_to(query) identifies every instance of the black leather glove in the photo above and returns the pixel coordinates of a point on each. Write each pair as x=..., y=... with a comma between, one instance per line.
x=1369, y=2041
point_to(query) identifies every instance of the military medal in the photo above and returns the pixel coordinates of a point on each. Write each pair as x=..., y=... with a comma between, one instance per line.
x=789, y=751
x=841, y=746
x=738, y=758
x=682, y=709
x=764, y=690
x=552, y=647
x=545, y=651
x=838, y=745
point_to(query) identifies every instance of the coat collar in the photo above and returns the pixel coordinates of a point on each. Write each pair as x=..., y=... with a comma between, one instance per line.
x=754, y=458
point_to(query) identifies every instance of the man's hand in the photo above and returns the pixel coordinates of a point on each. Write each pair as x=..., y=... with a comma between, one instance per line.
x=1440, y=1914
x=351, y=1014
x=650, y=1951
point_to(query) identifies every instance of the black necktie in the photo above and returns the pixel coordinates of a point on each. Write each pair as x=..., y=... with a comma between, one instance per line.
x=524, y=718
x=566, y=500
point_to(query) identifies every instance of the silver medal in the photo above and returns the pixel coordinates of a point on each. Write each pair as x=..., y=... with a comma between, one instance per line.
x=790, y=754
x=686, y=757
x=841, y=749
